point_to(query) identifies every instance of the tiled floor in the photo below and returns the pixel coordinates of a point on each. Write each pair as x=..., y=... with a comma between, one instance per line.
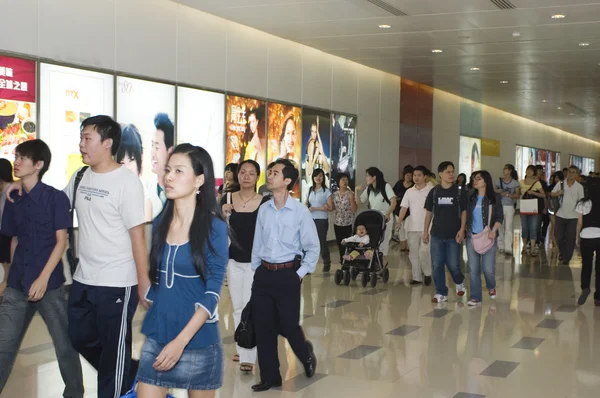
x=532, y=341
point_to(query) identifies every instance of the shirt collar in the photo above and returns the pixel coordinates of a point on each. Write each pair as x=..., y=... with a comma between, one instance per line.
x=36, y=193
x=289, y=203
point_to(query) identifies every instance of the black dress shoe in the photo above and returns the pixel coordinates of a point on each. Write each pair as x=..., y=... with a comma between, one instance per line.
x=310, y=366
x=427, y=280
x=264, y=386
x=415, y=283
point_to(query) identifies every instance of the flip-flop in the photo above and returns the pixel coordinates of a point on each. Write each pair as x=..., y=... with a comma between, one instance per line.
x=246, y=367
x=236, y=358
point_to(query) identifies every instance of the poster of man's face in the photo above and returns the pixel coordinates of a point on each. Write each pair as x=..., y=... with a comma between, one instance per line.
x=343, y=146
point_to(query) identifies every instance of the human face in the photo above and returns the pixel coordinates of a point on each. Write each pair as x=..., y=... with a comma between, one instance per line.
x=478, y=182
x=408, y=177
x=228, y=176
x=180, y=180
x=318, y=178
x=572, y=174
x=24, y=167
x=343, y=182
x=130, y=163
x=313, y=132
x=530, y=172
x=418, y=177
x=275, y=180
x=540, y=173
x=460, y=180
x=447, y=175
x=93, y=150
x=289, y=136
x=361, y=230
x=370, y=179
x=159, y=153
x=506, y=172
x=253, y=122
x=247, y=176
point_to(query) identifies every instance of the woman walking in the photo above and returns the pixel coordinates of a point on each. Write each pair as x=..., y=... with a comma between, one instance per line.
x=318, y=197
x=183, y=347
x=531, y=188
x=484, y=218
x=588, y=238
x=242, y=210
x=344, y=205
x=510, y=190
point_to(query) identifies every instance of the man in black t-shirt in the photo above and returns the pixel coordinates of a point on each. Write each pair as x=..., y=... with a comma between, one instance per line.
x=543, y=218
x=447, y=205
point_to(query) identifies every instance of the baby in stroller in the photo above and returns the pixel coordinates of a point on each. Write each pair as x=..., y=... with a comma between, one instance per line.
x=358, y=242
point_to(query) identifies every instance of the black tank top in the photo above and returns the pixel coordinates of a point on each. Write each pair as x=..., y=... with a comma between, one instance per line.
x=592, y=219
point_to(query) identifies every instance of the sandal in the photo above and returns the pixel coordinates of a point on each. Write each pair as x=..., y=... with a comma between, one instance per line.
x=246, y=367
x=236, y=358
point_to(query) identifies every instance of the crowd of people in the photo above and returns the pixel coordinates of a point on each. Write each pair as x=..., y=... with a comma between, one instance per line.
x=262, y=240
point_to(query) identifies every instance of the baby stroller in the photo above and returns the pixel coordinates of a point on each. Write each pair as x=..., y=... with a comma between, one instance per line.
x=371, y=268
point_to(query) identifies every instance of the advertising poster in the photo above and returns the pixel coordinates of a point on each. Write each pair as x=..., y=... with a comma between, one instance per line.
x=526, y=156
x=343, y=147
x=246, y=132
x=17, y=104
x=69, y=96
x=284, y=127
x=470, y=155
x=316, y=147
x=200, y=116
x=146, y=111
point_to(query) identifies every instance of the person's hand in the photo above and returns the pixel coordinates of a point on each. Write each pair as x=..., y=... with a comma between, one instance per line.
x=387, y=217
x=361, y=244
x=15, y=186
x=360, y=188
x=343, y=241
x=460, y=236
x=38, y=288
x=560, y=193
x=425, y=237
x=143, y=286
x=492, y=235
x=578, y=241
x=227, y=208
x=169, y=356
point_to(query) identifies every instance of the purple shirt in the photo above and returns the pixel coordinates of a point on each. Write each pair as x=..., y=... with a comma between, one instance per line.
x=34, y=219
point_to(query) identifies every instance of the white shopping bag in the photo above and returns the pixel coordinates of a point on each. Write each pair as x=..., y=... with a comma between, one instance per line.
x=528, y=207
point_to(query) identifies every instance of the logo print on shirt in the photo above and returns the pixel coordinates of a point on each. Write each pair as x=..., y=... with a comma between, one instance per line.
x=90, y=192
x=446, y=201
x=119, y=301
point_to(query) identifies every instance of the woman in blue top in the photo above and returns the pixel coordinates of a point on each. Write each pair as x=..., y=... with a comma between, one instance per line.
x=319, y=204
x=183, y=348
x=481, y=201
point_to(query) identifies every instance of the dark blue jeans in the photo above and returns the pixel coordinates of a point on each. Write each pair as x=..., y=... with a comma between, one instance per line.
x=16, y=313
x=445, y=252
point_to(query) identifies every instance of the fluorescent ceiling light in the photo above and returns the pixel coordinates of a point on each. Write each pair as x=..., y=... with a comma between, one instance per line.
x=503, y=81
x=385, y=26
x=558, y=16
x=474, y=68
x=559, y=108
x=584, y=44
x=544, y=100
x=436, y=50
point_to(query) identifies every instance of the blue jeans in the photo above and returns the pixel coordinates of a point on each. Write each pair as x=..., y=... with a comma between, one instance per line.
x=476, y=262
x=445, y=252
x=16, y=313
x=529, y=225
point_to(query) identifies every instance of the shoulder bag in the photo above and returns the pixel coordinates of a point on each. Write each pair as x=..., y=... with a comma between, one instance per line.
x=481, y=242
x=556, y=201
x=527, y=205
x=72, y=258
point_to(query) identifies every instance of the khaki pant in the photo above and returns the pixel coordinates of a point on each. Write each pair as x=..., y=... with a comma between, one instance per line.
x=420, y=256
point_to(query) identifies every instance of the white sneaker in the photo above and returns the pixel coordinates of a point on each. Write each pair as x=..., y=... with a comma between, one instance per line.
x=438, y=298
x=473, y=303
x=461, y=290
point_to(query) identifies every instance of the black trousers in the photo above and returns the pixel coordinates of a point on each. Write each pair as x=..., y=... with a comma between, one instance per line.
x=100, y=330
x=566, y=237
x=543, y=222
x=322, y=228
x=276, y=311
x=588, y=248
x=342, y=233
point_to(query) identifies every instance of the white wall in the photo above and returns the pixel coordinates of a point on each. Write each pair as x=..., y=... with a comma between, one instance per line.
x=164, y=40
x=509, y=129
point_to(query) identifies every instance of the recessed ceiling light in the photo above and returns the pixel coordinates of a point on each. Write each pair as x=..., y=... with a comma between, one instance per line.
x=503, y=81
x=559, y=108
x=572, y=114
x=558, y=16
x=436, y=50
x=584, y=44
x=544, y=100
x=385, y=26
x=474, y=68
x=516, y=34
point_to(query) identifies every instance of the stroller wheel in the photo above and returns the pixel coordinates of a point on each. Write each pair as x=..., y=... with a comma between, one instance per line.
x=386, y=275
x=353, y=273
x=365, y=279
x=338, y=277
x=373, y=279
x=346, y=277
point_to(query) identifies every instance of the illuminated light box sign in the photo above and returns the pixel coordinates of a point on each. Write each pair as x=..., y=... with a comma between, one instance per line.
x=343, y=147
x=316, y=144
x=284, y=129
x=470, y=155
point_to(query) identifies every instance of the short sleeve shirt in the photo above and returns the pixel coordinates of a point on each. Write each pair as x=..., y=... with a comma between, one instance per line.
x=319, y=199
x=377, y=201
x=447, y=206
x=343, y=208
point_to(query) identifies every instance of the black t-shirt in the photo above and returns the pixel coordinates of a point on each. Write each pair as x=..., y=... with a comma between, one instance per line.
x=447, y=206
x=542, y=201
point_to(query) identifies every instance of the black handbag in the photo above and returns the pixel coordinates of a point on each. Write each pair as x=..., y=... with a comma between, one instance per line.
x=244, y=334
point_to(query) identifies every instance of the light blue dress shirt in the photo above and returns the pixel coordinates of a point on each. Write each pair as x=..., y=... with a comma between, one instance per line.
x=319, y=199
x=283, y=234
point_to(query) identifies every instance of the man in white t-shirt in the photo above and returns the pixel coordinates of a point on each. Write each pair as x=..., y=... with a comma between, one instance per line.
x=112, y=274
x=414, y=200
x=566, y=216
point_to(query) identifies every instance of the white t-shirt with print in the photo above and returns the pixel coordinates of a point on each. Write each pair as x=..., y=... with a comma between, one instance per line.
x=377, y=202
x=589, y=232
x=108, y=205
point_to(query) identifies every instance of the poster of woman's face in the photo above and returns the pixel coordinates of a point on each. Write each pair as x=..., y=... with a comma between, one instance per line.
x=343, y=147
x=316, y=147
x=284, y=129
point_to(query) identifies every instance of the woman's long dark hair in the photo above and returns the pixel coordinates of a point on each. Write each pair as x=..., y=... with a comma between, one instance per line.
x=379, y=180
x=464, y=176
x=316, y=172
x=513, y=172
x=206, y=210
x=591, y=191
x=6, y=171
x=489, y=185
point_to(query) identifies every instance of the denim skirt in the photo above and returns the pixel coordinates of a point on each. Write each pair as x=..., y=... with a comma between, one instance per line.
x=197, y=369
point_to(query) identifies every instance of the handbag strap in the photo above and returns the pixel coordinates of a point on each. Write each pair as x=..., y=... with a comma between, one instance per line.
x=78, y=178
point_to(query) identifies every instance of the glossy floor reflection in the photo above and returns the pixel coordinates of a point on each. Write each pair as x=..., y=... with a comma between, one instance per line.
x=391, y=341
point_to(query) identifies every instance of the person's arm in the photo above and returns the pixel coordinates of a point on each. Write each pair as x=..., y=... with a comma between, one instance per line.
x=353, y=204
x=329, y=206
x=499, y=218
x=557, y=191
x=14, y=242
x=15, y=186
x=428, y=215
x=207, y=307
x=309, y=242
x=403, y=211
x=517, y=194
x=393, y=201
x=40, y=285
x=258, y=241
x=140, y=256
x=579, y=226
x=463, y=217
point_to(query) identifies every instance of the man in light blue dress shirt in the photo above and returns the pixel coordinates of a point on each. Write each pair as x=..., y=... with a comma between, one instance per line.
x=286, y=248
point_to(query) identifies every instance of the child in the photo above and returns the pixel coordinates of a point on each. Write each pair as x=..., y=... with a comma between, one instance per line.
x=362, y=238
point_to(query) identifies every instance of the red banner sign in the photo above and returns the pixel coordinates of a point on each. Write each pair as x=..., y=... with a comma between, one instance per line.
x=17, y=79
